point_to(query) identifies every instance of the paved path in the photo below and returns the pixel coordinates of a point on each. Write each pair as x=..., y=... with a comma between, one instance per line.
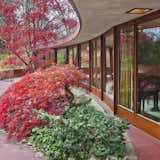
x=4, y=84
x=15, y=151
x=146, y=146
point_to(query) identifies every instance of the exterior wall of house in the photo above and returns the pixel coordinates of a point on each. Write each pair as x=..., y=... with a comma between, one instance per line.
x=123, y=68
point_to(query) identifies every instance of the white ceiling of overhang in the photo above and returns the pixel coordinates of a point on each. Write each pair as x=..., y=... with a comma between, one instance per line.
x=98, y=16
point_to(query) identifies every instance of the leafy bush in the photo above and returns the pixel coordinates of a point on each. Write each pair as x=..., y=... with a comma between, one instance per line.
x=48, y=89
x=80, y=133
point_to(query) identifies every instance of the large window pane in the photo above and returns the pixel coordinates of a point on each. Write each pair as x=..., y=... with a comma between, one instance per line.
x=85, y=61
x=126, y=51
x=61, y=56
x=96, y=68
x=52, y=55
x=148, y=100
x=73, y=56
x=108, y=67
x=85, y=56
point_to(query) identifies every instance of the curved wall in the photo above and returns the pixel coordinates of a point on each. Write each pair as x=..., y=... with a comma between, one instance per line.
x=113, y=71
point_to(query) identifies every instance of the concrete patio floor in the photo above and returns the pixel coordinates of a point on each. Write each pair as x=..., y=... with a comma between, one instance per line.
x=15, y=151
x=146, y=146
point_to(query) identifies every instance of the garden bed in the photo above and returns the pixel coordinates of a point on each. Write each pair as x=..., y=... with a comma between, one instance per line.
x=61, y=121
x=76, y=117
x=83, y=95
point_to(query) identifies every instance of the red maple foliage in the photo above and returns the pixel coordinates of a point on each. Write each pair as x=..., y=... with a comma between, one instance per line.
x=29, y=25
x=47, y=89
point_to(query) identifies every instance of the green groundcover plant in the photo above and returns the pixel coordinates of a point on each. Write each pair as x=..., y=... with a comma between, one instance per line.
x=80, y=133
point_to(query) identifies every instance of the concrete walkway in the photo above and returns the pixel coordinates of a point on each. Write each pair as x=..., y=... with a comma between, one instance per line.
x=15, y=151
x=4, y=84
x=146, y=146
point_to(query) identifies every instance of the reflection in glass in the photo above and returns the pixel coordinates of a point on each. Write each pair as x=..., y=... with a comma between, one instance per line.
x=126, y=52
x=148, y=100
x=52, y=56
x=96, y=68
x=85, y=56
x=108, y=70
x=73, y=56
x=61, y=56
x=84, y=59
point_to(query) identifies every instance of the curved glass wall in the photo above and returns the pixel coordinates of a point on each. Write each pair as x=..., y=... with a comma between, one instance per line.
x=148, y=76
x=136, y=74
x=126, y=72
x=96, y=63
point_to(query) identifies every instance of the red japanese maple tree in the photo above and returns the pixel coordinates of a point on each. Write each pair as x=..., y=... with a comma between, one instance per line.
x=47, y=89
x=26, y=26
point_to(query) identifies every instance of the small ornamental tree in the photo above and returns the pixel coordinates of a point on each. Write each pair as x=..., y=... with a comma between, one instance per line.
x=47, y=89
x=27, y=26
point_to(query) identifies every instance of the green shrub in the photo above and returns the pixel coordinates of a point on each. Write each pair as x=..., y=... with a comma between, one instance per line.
x=80, y=133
